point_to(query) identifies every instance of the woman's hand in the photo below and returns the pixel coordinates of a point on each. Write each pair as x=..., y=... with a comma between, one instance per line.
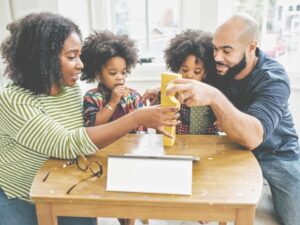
x=157, y=117
x=152, y=95
x=151, y=117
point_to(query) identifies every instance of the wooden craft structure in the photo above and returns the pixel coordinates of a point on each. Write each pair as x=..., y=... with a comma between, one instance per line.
x=167, y=101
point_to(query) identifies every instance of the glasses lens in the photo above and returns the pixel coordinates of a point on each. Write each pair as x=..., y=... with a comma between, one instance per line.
x=96, y=168
x=82, y=163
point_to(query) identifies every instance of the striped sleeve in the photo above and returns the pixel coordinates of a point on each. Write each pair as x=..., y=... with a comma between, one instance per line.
x=24, y=120
x=44, y=135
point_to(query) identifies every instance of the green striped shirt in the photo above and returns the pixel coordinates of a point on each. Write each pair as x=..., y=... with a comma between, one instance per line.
x=34, y=128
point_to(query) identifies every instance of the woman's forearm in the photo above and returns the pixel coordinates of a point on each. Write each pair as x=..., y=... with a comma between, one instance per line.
x=105, y=134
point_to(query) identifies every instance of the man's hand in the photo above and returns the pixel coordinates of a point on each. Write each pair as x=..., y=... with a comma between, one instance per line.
x=191, y=92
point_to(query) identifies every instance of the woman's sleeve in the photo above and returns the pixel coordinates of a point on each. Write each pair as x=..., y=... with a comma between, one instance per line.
x=24, y=121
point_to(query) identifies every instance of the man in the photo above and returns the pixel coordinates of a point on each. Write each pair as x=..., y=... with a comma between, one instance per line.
x=251, y=106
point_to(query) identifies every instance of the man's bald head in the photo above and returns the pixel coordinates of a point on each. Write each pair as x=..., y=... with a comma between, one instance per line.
x=235, y=43
x=242, y=26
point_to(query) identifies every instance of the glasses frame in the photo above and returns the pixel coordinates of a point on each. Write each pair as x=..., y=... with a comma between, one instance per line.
x=69, y=163
x=87, y=165
x=97, y=174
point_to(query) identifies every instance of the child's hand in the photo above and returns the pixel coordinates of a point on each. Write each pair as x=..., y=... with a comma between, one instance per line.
x=117, y=93
x=151, y=95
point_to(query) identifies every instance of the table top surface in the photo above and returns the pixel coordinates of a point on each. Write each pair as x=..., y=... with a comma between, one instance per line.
x=225, y=175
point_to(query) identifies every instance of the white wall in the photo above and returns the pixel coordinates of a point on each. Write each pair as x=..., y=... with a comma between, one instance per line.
x=79, y=11
x=14, y=9
x=5, y=18
x=101, y=18
x=24, y=7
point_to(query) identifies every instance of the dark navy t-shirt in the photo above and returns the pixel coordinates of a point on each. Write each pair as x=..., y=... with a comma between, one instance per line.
x=264, y=94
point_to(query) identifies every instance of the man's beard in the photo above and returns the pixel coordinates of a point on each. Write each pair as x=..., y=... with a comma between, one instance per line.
x=235, y=70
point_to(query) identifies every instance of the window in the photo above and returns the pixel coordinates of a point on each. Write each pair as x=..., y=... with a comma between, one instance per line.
x=280, y=29
x=279, y=12
x=252, y=7
x=152, y=23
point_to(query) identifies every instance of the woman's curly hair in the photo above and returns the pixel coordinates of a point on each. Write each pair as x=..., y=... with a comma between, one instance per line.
x=99, y=47
x=32, y=51
x=196, y=42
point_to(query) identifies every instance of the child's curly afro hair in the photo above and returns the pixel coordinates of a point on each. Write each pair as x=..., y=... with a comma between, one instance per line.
x=99, y=47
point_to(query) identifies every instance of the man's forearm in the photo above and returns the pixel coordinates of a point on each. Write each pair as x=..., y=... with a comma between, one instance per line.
x=240, y=127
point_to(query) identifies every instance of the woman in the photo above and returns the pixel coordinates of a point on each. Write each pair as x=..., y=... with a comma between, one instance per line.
x=41, y=111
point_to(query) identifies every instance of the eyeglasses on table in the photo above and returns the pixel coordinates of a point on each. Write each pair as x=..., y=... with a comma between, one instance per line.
x=83, y=164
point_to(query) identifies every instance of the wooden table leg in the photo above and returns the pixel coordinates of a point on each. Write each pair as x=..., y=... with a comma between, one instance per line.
x=45, y=215
x=245, y=217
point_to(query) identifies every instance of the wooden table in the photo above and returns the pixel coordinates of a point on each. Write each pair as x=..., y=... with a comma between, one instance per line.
x=227, y=184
